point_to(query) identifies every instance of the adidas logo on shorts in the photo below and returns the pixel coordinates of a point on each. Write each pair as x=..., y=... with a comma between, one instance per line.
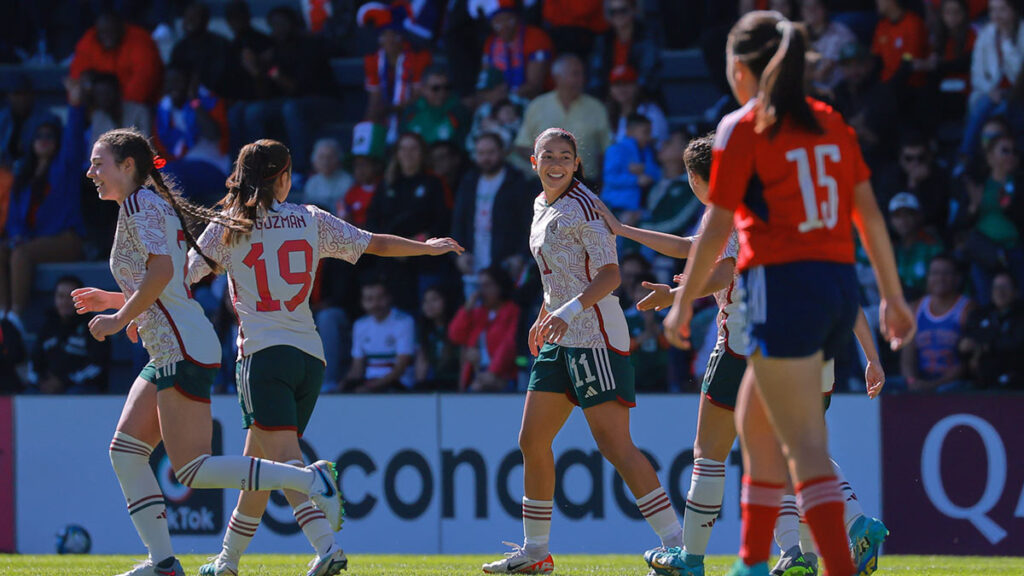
x=590, y=392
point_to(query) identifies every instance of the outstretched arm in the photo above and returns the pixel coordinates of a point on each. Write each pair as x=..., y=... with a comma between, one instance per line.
x=667, y=244
x=396, y=247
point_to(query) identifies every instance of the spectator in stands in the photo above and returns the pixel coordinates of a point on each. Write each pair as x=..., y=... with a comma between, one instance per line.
x=997, y=212
x=573, y=25
x=45, y=219
x=19, y=120
x=447, y=162
x=914, y=245
x=108, y=108
x=867, y=104
x=491, y=219
x=366, y=173
x=647, y=345
x=995, y=71
x=247, y=44
x=12, y=353
x=931, y=361
x=66, y=359
x=630, y=169
x=297, y=86
x=486, y=328
x=492, y=93
x=204, y=56
x=567, y=106
x=383, y=345
x=521, y=52
x=827, y=38
x=901, y=39
x=918, y=173
x=125, y=50
x=437, y=115
x=627, y=43
x=995, y=337
x=329, y=183
x=625, y=99
x=437, y=357
x=951, y=52
x=672, y=207
x=394, y=72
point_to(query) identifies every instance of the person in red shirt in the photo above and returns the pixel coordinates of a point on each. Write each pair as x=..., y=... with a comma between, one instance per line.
x=124, y=50
x=573, y=25
x=521, y=52
x=486, y=329
x=900, y=36
x=787, y=171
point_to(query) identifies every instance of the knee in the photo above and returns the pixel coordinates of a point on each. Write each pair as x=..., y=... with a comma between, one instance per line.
x=532, y=444
x=125, y=448
x=615, y=450
x=187, y=473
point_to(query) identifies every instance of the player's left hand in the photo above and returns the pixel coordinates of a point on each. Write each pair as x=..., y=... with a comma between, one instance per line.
x=104, y=325
x=874, y=379
x=661, y=297
x=552, y=329
x=677, y=325
x=441, y=246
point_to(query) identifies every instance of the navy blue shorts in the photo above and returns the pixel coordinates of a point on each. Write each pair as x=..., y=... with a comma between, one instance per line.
x=794, y=310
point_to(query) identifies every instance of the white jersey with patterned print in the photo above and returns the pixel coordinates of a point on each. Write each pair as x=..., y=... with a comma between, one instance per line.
x=174, y=328
x=571, y=243
x=271, y=272
x=730, y=321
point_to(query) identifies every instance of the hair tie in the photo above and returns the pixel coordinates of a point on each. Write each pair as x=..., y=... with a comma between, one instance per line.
x=158, y=162
x=287, y=165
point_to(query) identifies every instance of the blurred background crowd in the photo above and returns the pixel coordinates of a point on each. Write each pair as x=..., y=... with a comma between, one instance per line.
x=417, y=118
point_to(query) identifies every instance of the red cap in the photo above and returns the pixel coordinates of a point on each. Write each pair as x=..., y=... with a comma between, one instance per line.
x=623, y=75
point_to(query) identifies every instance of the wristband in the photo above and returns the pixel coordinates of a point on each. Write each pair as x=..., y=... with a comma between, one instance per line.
x=569, y=310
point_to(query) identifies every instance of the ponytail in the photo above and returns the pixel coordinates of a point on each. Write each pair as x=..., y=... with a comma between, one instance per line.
x=774, y=50
x=181, y=208
x=251, y=183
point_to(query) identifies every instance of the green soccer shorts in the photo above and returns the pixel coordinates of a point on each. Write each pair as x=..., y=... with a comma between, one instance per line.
x=587, y=376
x=278, y=388
x=191, y=380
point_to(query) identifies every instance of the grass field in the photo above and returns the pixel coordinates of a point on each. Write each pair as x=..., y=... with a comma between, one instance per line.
x=395, y=565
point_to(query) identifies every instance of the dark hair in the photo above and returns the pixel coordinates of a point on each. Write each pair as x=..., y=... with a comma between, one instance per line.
x=634, y=119
x=773, y=48
x=28, y=173
x=435, y=70
x=392, y=172
x=958, y=37
x=1009, y=274
x=237, y=9
x=502, y=279
x=69, y=279
x=697, y=155
x=286, y=12
x=374, y=281
x=127, y=143
x=945, y=257
x=489, y=135
x=564, y=135
x=638, y=257
x=914, y=139
x=502, y=104
x=251, y=183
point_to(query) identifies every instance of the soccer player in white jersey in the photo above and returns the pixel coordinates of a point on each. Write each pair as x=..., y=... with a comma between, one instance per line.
x=582, y=347
x=281, y=360
x=716, y=430
x=170, y=400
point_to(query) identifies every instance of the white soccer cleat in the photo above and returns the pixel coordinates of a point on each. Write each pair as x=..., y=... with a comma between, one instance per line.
x=149, y=568
x=325, y=493
x=519, y=562
x=218, y=567
x=329, y=564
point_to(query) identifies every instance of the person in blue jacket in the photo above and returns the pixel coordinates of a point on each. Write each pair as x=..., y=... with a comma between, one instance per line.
x=630, y=167
x=44, y=221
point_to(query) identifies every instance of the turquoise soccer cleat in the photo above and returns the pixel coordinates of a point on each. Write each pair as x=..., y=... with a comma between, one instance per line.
x=866, y=536
x=741, y=569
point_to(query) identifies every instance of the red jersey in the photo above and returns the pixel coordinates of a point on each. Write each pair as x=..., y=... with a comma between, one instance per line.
x=894, y=41
x=792, y=193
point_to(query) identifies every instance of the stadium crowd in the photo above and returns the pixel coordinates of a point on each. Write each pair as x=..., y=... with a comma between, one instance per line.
x=455, y=93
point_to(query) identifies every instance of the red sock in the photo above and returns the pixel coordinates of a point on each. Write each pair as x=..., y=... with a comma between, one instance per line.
x=760, y=502
x=822, y=504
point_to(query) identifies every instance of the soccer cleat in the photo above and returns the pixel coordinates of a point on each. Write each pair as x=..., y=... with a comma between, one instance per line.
x=218, y=567
x=866, y=536
x=673, y=562
x=518, y=562
x=329, y=564
x=148, y=568
x=794, y=563
x=741, y=569
x=325, y=494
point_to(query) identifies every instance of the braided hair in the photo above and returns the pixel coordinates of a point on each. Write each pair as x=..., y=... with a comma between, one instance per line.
x=127, y=143
x=251, y=184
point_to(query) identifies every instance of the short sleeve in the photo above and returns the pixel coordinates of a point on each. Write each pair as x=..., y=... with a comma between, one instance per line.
x=599, y=244
x=211, y=242
x=339, y=239
x=732, y=163
x=371, y=72
x=528, y=131
x=148, y=224
x=406, y=337
x=538, y=46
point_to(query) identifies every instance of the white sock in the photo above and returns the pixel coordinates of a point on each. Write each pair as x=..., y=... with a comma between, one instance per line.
x=315, y=526
x=806, y=538
x=703, y=503
x=130, y=458
x=851, y=505
x=536, y=527
x=241, y=529
x=245, y=473
x=657, y=509
x=787, y=525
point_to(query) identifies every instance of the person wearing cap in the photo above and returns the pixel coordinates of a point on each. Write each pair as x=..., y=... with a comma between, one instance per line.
x=913, y=244
x=437, y=114
x=628, y=42
x=521, y=52
x=625, y=99
x=394, y=72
